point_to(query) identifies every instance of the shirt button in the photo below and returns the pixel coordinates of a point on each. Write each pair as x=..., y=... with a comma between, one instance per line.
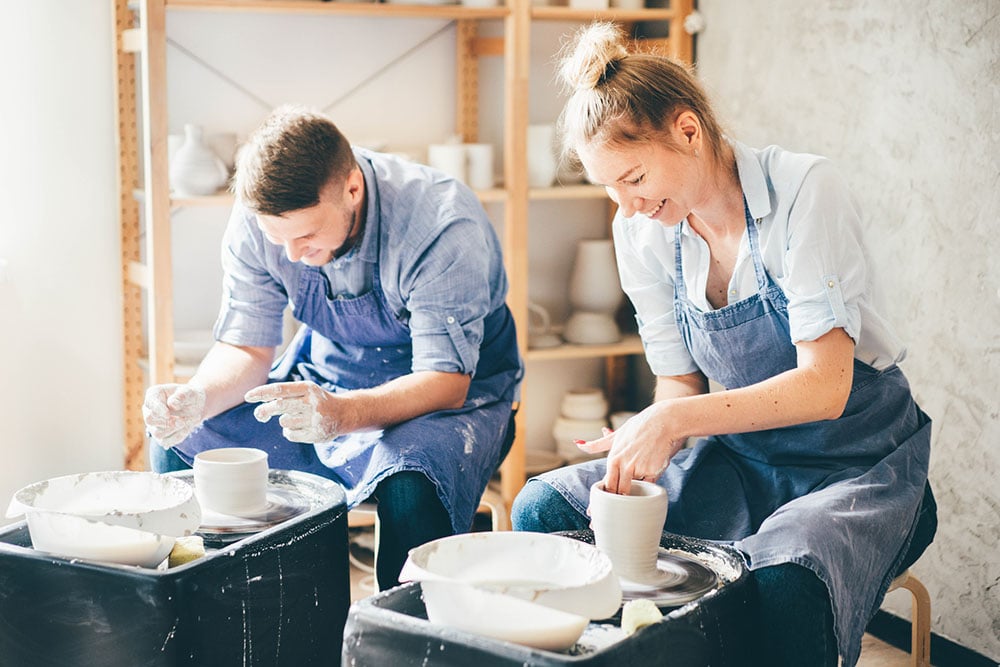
x=336, y=265
x=830, y=284
x=732, y=292
x=450, y=320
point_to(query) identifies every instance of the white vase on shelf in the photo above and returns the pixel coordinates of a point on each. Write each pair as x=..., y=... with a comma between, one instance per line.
x=595, y=294
x=542, y=165
x=195, y=170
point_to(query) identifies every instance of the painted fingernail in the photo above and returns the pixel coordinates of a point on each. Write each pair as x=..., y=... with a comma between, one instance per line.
x=580, y=442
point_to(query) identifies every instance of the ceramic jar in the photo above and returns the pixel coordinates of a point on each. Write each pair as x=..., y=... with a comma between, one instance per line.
x=231, y=480
x=542, y=164
x=194, y=169
x=628, y=529
x=595, y=294
x=584, y=403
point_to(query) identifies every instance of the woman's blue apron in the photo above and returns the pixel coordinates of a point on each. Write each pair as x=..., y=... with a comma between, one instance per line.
x=359, y=343
x=839, y=496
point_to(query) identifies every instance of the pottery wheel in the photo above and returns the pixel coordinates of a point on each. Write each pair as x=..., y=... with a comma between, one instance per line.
x=282, y=504
x=685, y=579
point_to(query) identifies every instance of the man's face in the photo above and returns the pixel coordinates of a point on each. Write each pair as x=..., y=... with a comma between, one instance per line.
x=312, y=235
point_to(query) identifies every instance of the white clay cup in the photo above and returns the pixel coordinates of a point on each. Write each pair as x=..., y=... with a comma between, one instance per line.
x=231, y=480
x=628, y=529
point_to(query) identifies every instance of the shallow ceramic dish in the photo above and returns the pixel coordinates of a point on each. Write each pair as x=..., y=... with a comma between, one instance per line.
x=465, y=607
x=549, y=570
x=118, y=516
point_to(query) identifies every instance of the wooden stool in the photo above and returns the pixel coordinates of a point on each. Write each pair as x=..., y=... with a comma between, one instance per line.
x=920, y=622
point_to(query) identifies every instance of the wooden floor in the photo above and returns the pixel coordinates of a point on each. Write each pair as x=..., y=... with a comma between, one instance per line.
x=874, y=652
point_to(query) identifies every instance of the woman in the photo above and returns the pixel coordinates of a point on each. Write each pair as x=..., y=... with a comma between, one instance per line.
x=747, y=267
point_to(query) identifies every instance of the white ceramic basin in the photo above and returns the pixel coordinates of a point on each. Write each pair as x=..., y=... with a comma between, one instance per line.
x=123, y=517
x=500, y=616
x=522, y=576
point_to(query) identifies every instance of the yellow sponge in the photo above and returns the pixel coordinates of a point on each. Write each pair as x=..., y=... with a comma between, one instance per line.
x=186, y=549
x=638, y=614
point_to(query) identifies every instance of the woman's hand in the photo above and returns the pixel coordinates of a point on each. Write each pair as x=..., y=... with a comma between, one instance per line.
x=307, y=412
x=640, y=449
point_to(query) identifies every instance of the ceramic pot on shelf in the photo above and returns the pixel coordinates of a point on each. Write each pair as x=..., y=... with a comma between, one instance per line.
x=542, y=166
x=595, y=294
x=195, y=170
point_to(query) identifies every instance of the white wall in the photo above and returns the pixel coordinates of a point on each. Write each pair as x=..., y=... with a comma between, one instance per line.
x=905, y=97
x=60, y=310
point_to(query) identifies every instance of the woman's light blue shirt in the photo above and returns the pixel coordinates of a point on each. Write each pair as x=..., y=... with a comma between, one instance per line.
x=441, y=266
x=811, y=243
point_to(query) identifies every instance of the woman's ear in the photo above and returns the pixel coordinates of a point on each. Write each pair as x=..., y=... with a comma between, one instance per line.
x=687, y=130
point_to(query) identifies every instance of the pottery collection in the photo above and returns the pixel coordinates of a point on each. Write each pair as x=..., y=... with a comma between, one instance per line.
x=470, y=163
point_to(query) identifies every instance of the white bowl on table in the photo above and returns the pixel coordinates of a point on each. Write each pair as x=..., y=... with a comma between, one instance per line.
x=540, y=590
x=125, y=517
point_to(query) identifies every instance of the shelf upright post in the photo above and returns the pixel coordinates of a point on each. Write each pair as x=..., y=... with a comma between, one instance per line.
x=156, y=188
x=517, y=64
x=128, y=223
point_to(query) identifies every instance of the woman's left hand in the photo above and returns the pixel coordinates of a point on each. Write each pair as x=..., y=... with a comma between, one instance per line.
x=640, y=449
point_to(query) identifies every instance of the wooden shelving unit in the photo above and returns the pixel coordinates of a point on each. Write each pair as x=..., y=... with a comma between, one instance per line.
x=146, y=204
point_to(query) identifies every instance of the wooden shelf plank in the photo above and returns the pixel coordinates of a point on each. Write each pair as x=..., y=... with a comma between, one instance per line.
x=625, y=15
x=569, y=192
x=224, y=198
x=368, y=9
x=630, y=344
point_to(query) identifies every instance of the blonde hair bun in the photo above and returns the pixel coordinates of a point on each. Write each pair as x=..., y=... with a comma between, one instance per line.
x=589, y=54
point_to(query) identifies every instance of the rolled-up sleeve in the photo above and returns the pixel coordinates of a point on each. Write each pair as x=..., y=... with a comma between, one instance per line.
x=448, y=296
x=825, y=266
x=253, y=301
x=645, y=252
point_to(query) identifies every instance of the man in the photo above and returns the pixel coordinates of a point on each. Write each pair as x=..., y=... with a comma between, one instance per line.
x=401, y=381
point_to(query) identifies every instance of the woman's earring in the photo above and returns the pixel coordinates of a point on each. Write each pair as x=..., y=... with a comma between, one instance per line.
x=696, y=152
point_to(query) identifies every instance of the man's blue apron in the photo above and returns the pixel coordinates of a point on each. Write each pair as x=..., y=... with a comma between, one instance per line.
x=839, y=497
x=358, y=343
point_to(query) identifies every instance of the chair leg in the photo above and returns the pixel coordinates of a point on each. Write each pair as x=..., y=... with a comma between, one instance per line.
x=493, y=502
x=920, y=641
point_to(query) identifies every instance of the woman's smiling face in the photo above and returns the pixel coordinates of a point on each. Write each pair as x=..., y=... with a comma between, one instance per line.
x=660, y=178
x=643, y=178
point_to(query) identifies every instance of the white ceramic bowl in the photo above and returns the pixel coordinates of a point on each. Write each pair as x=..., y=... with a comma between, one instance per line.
x=550, y=570
x=584, y=403
x=483, y=612
x=123, y=517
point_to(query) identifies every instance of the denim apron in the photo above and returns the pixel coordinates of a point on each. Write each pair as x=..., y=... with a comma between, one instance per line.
x=359, y=343
x=839, y=496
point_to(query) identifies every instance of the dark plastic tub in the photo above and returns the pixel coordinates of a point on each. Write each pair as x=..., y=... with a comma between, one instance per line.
x=391, y=628
x=279, y=597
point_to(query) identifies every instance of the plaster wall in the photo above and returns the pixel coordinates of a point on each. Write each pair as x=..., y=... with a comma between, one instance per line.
x=60, y=309
x=905, y=98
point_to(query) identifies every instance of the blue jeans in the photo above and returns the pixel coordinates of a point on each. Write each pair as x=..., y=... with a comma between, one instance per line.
x=793, y=623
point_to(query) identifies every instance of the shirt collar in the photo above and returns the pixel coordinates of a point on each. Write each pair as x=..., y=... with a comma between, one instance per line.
x=367, y=250
x=752, y=180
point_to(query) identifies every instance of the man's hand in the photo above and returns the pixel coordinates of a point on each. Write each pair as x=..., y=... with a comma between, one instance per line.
x=172, y=412
x=306, y=412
